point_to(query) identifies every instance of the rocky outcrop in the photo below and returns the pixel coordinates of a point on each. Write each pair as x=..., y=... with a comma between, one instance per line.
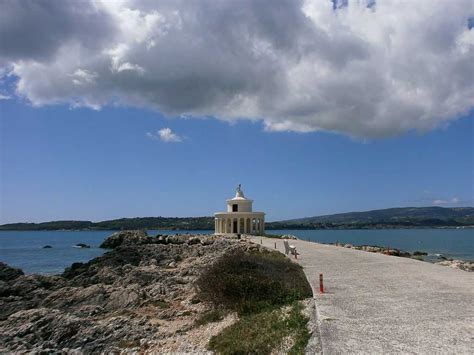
x=420, y=253
x=140, y=296
x=125, y=238
x=8, y=273
x=82, y=246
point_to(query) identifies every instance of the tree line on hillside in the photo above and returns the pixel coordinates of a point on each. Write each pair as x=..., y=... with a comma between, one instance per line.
x=408, y=217
x=172, y=223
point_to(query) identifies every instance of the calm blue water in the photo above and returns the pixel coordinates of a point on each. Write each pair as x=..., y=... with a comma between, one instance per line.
x=25, y=249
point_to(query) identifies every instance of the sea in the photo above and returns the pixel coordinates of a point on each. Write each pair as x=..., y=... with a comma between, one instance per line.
x=24, y=249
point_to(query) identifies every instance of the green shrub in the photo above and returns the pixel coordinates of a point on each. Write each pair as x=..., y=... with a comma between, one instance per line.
x=248, y=282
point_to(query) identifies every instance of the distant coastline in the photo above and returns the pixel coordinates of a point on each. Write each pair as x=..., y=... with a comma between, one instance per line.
x=269, y=228
x=392, y=218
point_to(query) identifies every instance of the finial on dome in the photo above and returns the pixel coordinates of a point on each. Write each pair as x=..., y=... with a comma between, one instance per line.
x=239, y=192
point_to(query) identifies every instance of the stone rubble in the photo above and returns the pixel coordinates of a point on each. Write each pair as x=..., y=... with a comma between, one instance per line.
x=458, y=264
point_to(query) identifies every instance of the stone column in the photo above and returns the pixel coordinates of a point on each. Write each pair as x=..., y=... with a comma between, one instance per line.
x=238, y=225
x=245, y=225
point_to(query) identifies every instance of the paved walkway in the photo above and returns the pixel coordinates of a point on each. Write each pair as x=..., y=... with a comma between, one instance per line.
x=376, y=303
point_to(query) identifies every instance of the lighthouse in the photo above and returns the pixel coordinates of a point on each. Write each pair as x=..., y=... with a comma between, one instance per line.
x=239, y=217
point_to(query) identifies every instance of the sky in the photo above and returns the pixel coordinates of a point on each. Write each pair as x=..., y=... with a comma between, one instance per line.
x=157, y=108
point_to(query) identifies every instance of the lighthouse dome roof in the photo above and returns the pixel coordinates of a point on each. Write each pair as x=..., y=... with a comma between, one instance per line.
x=239, y=195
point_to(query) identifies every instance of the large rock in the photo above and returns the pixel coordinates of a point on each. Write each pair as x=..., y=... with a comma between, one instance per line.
x=8, y=273
x=44, y=330
x=125, y=238
x=74, y=297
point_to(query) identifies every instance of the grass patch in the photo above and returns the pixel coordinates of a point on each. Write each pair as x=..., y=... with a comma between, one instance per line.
x=301, y=334
x=250, y=282
x=263, y=332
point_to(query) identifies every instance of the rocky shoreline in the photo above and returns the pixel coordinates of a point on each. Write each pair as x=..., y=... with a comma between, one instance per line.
x=140, y=296
x=418, y=255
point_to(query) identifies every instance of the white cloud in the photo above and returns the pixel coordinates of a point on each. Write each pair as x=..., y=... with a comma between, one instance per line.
x=83, y=77
x=451, y=201
x=296, y=65
x=165, y=135
x=4, y=97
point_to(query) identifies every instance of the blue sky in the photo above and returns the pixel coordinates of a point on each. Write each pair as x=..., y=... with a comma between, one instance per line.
x=62, y=163
x=115, y=109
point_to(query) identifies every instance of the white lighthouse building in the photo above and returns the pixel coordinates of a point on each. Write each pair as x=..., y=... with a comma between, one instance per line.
x=239, y=217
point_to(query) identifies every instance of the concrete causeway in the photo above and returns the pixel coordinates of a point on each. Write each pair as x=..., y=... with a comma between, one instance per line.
x=376, y=303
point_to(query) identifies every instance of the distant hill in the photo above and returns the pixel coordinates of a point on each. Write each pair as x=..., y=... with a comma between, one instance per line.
x=186, y=223
x=406, y=217
x=390, y=217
